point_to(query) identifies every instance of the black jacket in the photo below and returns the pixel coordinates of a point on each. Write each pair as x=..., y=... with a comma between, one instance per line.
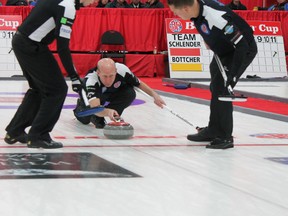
x=49, y=21
x=232, y=6
x=16, y=3
x=140, y=5
x=156, y=4
x=115, y=4
x=223, y=31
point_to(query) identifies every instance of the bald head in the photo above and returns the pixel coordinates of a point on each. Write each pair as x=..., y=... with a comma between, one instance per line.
x=106, y=65
x=107, y=71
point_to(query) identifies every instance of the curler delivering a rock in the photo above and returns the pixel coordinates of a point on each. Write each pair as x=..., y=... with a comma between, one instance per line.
x=111, y=84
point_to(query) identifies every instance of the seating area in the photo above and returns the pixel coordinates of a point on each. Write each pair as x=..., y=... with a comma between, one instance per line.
x=143, y=31
x=248, y=3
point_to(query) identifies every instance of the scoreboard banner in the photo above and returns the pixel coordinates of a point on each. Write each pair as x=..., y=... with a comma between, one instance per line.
x=189, y=57
x=8, y=63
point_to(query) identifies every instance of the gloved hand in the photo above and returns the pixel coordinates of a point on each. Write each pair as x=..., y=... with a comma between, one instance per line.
x=76, y=84
x=231, y=80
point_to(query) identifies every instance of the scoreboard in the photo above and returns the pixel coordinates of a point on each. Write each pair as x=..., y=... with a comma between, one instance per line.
x=189, y=57
x=8, y=63
x=270, y=60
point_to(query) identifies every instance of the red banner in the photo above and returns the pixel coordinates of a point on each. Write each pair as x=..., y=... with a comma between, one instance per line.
x=266, y=28
x=10, y=22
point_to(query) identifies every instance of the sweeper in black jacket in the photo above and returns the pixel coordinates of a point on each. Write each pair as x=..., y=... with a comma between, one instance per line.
x=42, y=104
x=231, y=38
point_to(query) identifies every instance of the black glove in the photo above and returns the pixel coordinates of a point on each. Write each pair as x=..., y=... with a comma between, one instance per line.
x=231, y=80
x=76, y=84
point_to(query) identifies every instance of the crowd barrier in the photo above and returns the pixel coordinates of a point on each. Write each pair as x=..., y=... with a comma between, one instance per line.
x=143, y=30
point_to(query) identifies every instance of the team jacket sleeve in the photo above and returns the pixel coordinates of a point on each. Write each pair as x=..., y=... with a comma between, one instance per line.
x=65, y=56
x=64, y=21
x=234, y=35
x=92, y=86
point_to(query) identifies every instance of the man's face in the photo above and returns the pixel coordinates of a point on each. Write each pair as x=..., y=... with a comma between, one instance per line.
x=186, y=12
x=236, y=2
x=280, y=1
x=107, y=76
x=88, y=2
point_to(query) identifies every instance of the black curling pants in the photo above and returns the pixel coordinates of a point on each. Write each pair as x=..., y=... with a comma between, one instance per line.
x=119, y=100
x=221, y=112
x=43, y=102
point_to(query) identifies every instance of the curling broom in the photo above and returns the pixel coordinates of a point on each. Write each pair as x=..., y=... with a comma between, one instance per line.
x=87, y=110
x=230, y=97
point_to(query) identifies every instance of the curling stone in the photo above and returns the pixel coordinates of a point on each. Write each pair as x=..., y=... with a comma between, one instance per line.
x=118, y=130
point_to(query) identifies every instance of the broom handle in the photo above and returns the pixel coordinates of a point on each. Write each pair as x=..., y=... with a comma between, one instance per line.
x=177, y=115
x=167, y=108
x=84, y=97
x=222, y=70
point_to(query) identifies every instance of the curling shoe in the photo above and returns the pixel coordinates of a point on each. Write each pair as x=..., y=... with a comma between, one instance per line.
x=22, y=138
x=99, y=122
x=203, y=135
x=44, y=144
x=221, y=143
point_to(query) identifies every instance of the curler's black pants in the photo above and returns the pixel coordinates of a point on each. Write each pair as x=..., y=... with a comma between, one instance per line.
x=118, y=101
x=43, y=102
x=221, y=112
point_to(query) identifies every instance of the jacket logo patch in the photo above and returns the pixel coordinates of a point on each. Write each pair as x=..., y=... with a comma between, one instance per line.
x=117, y=84
x=63, y=20
x=204, y=28
x=65, y=31
x=229, y=29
